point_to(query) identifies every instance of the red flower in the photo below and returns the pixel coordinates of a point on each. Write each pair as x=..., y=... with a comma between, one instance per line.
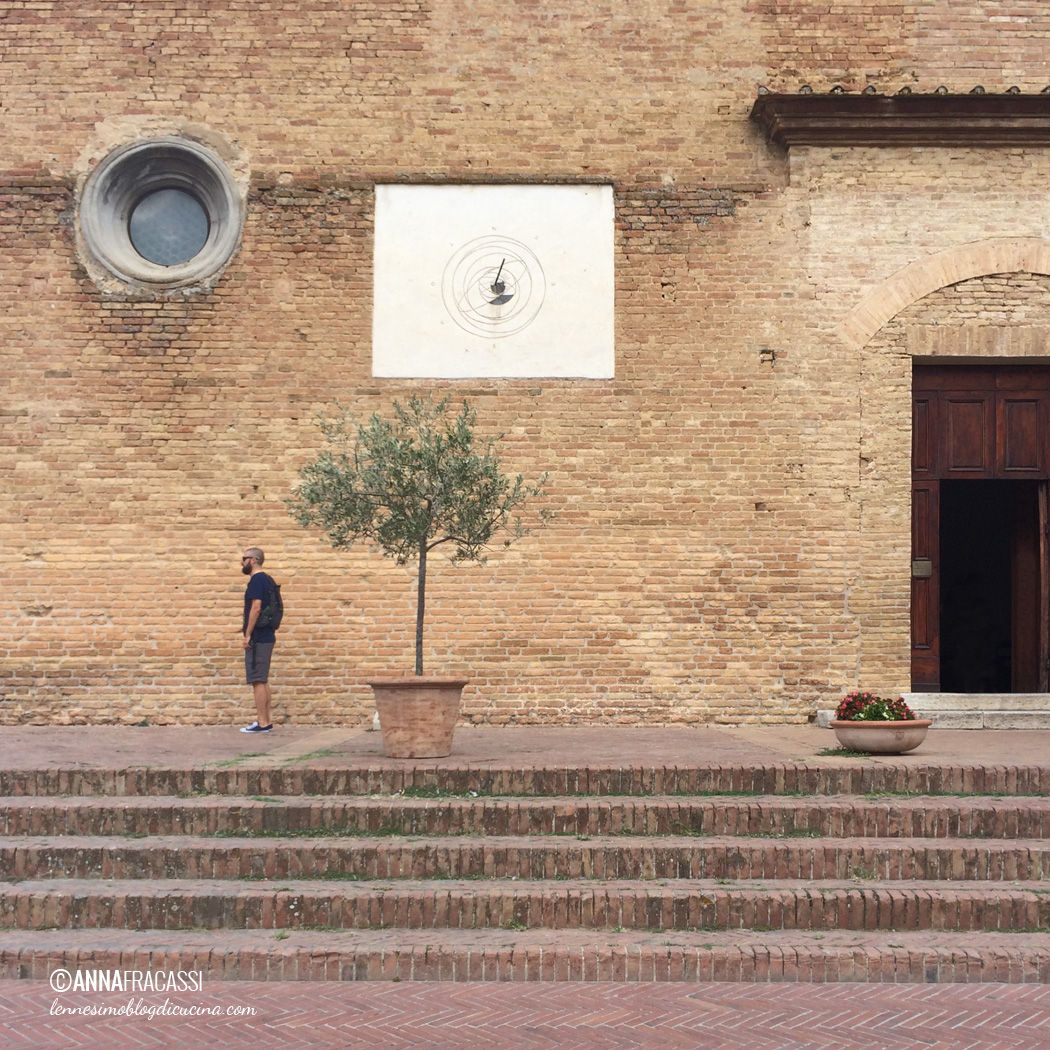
x=867, y=707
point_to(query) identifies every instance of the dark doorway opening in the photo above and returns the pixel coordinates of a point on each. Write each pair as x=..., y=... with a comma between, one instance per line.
x=990, y=561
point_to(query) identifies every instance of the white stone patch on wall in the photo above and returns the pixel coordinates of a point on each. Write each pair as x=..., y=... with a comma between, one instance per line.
x=493, y=281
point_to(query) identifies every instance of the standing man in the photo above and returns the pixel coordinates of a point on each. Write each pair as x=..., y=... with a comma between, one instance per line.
x=258, y=640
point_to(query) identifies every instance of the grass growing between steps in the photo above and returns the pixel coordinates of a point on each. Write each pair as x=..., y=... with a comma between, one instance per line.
x=436, y=792
x=876, y=796
x=322, y=753
x=384, y=831
x=399, y=831
x=229, y=763
x=331, y=876
x=280, y=762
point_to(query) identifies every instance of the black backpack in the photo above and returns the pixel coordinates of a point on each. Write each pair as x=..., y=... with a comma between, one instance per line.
x=273, y=611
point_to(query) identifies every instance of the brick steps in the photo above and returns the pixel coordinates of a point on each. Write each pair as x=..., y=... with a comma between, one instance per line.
x=836, y=816
x=535, y=781
x=790, y=872
x=921, y=957
x=533, y=857
x=561, y=905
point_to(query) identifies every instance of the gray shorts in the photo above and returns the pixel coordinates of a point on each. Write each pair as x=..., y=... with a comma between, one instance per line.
x=257, y=661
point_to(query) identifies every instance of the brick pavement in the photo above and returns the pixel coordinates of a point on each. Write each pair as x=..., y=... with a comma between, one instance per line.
x=567, y=1017
x=223, y=747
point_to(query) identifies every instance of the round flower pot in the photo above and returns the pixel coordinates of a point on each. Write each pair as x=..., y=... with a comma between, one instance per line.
x=417, y=714
x=882, y=738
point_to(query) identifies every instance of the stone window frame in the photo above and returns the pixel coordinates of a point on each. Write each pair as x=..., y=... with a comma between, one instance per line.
x=129, y=173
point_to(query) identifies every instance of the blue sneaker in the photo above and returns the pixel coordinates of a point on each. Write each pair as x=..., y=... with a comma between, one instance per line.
x=256, y=728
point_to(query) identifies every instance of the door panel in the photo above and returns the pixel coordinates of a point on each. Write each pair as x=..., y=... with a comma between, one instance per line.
x=1020, y=438
x=925, y=604
x=970, y=437
x=924, y=434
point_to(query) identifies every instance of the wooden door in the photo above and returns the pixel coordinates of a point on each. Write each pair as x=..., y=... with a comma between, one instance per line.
x=926, y=455
x=981, y=423
x=1044, y=588
x=1027, y=671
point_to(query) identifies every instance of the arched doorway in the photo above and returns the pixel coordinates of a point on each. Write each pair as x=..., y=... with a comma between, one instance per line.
x=980, y=581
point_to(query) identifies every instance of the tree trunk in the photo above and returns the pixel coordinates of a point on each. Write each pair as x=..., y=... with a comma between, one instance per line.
x=421, y=605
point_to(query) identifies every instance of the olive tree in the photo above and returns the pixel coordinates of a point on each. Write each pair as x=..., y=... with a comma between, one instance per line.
x=410, y=484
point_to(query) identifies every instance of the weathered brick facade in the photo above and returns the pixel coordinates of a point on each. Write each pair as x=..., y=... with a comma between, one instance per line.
x=733, y=508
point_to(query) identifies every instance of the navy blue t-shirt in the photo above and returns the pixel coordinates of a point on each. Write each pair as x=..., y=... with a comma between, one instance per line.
x=259, y=586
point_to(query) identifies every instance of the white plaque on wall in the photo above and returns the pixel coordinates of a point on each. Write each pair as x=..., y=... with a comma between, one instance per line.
x=497, y=281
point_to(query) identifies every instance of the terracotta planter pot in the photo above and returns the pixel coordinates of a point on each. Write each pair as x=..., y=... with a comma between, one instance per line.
x=882, y=738
x=417, y=714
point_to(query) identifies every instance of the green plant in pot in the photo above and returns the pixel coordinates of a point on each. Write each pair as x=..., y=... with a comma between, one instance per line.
x=408, y=485
x=878, y=725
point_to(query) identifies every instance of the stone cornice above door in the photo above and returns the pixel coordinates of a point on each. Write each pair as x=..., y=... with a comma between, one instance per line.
x=842, y=119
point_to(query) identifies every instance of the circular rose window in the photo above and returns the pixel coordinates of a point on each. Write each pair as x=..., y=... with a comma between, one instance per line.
x=163, y=212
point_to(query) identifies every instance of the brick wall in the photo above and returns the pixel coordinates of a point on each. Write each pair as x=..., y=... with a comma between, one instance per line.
x=732, y=507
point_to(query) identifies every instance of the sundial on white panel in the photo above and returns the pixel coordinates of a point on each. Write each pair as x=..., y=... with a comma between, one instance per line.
x=493, y=280
x=493, y=286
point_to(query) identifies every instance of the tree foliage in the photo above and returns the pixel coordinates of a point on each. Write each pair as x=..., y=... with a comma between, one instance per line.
x=409, y=484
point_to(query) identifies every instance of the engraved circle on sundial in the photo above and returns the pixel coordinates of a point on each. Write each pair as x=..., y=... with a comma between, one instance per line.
x=493, y=286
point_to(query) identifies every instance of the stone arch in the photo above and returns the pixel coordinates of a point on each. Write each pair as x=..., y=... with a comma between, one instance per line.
x=920, y=278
